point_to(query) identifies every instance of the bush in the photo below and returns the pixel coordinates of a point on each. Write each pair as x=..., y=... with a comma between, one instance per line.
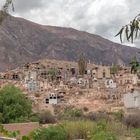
x=132, y=121
x=119, y=115
x=51, y=133
x=101, y=132
x=34, y=118
x=97, y=116
x=136, y=133
x=78, y=129
x=71, y=114
x=14, y=106
x=37, y=94
x=85, y=109
x=103, y=135
x=47, y=117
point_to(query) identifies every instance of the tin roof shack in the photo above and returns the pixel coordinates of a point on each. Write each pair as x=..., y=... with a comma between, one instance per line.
x=132, y=99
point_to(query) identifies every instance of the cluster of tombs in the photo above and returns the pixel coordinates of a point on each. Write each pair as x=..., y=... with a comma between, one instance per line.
x=55, y=82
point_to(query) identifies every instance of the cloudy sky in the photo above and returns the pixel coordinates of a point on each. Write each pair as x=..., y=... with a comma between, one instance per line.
x=103, y=17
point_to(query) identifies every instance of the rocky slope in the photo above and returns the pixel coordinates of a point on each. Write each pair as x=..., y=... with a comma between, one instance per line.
x=22, y=41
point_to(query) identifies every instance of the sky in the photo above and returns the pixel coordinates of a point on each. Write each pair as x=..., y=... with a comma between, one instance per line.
x=102, y=17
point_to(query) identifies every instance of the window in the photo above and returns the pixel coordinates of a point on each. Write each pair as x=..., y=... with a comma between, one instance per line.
x=47, y=101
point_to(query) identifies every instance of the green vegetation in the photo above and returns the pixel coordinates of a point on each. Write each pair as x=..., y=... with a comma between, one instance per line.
x=4, y=132
x=52, y=74
x=131, y=30
x=89, y=126
x=46, y=117
x=71, y=114
x=134, y=65
x=136, y=133
x=82, y=64
x=51, y=133
x=5, y=8
x=14, y=106
x=70, y=130
x=114, y=69
x=70, y=124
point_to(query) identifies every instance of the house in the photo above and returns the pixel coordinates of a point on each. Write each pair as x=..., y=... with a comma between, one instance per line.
x=132, y=99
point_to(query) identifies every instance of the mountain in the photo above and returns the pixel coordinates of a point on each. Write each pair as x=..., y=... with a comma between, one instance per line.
x=22, y=41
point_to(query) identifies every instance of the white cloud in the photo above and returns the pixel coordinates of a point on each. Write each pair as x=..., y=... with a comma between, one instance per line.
x=103, y=17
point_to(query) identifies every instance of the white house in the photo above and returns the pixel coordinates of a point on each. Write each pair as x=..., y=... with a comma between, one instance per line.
x=132, y=99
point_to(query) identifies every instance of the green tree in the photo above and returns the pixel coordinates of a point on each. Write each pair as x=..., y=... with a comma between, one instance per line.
x=131, y=30
x=14, y=106
x=51, y=133
x=5, y=9
x=134, y=65
x=82, y=64
x=114, y=69
x=52, y=73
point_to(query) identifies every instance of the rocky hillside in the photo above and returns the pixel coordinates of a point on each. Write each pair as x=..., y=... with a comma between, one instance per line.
x=23, y=41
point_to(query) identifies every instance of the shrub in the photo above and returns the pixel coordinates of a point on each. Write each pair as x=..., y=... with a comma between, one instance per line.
x=37, y=94
x=103, y=135
x=71, y=114
x=78, y=129
x=136, y=133
x=51, y=133
x=97, y=116
x=132, y=121
x=46, y=117
x=34, y=118
x=101, y=132
x=76, y=113
x=14, y=106
x=119, y=115
x=85, y=109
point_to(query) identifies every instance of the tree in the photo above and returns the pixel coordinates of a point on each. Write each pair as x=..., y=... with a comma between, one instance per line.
x=114, y=69
x=14, y=106
x=5, y=8
x=130, y=31
x=51, y=133
x=52, y=73
x=134, y=65
x=82, y=64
